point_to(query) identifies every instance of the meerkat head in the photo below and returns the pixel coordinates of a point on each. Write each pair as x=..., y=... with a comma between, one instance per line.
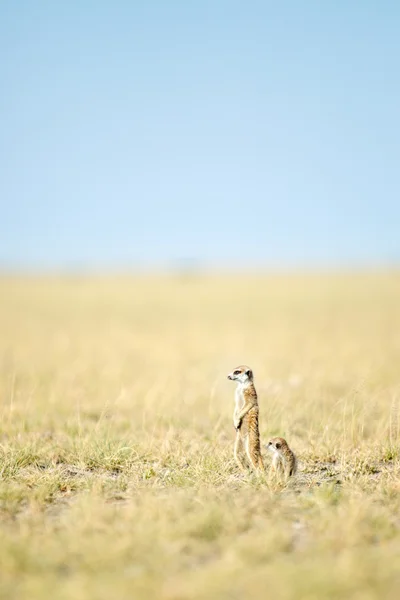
x=277, y=444
x=241, y=374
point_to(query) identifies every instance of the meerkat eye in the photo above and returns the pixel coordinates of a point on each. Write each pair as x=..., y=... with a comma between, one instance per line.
x=278, y=446
x=237, y=372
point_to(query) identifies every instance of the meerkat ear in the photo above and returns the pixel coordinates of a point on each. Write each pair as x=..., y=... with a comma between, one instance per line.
x=249, y=373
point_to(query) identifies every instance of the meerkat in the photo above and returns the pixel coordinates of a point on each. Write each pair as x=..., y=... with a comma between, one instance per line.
x=284, y=461
x=245, y=418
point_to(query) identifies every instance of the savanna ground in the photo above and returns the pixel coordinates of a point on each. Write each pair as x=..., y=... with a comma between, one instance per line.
x=116, y=436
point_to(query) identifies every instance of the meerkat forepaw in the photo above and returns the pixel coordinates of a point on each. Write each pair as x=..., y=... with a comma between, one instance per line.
x=237, y=424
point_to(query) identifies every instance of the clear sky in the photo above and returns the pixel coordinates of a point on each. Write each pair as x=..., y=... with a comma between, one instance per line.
x=149, y=132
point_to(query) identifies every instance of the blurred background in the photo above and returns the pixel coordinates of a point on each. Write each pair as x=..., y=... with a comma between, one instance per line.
x=203, y=183
x=154, y=135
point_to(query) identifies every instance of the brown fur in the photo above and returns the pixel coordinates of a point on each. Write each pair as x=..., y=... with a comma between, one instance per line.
x=284, y=461
x=246, y=416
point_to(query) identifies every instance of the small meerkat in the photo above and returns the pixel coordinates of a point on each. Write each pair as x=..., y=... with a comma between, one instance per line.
x=284, y=460
x=245, y=418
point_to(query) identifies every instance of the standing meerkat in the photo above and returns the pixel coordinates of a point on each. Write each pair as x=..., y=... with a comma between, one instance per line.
x=245, y=418
x=284, y=461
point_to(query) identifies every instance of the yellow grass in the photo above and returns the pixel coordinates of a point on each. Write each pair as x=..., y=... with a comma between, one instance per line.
x=116, y=436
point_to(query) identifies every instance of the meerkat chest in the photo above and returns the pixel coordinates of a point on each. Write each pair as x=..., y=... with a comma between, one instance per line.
x=239, y=399
x=278, y=460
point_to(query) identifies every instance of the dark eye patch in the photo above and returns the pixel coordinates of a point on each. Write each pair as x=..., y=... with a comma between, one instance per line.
x=236, y=372
x=278, y=446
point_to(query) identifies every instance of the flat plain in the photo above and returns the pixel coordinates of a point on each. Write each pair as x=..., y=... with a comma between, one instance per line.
x=117, y=478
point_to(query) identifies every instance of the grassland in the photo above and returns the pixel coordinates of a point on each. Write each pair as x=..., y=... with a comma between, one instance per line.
x=116, y=470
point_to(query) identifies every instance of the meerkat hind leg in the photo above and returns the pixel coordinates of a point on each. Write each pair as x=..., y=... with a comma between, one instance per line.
x=238, y=448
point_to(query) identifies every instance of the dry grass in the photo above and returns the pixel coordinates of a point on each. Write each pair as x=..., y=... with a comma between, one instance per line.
x=116, y=470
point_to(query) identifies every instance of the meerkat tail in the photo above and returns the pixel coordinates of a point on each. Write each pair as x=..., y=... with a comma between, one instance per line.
x=253, y=452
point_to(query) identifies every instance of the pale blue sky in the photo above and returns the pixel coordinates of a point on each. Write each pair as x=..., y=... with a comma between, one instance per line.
x=149, y=132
